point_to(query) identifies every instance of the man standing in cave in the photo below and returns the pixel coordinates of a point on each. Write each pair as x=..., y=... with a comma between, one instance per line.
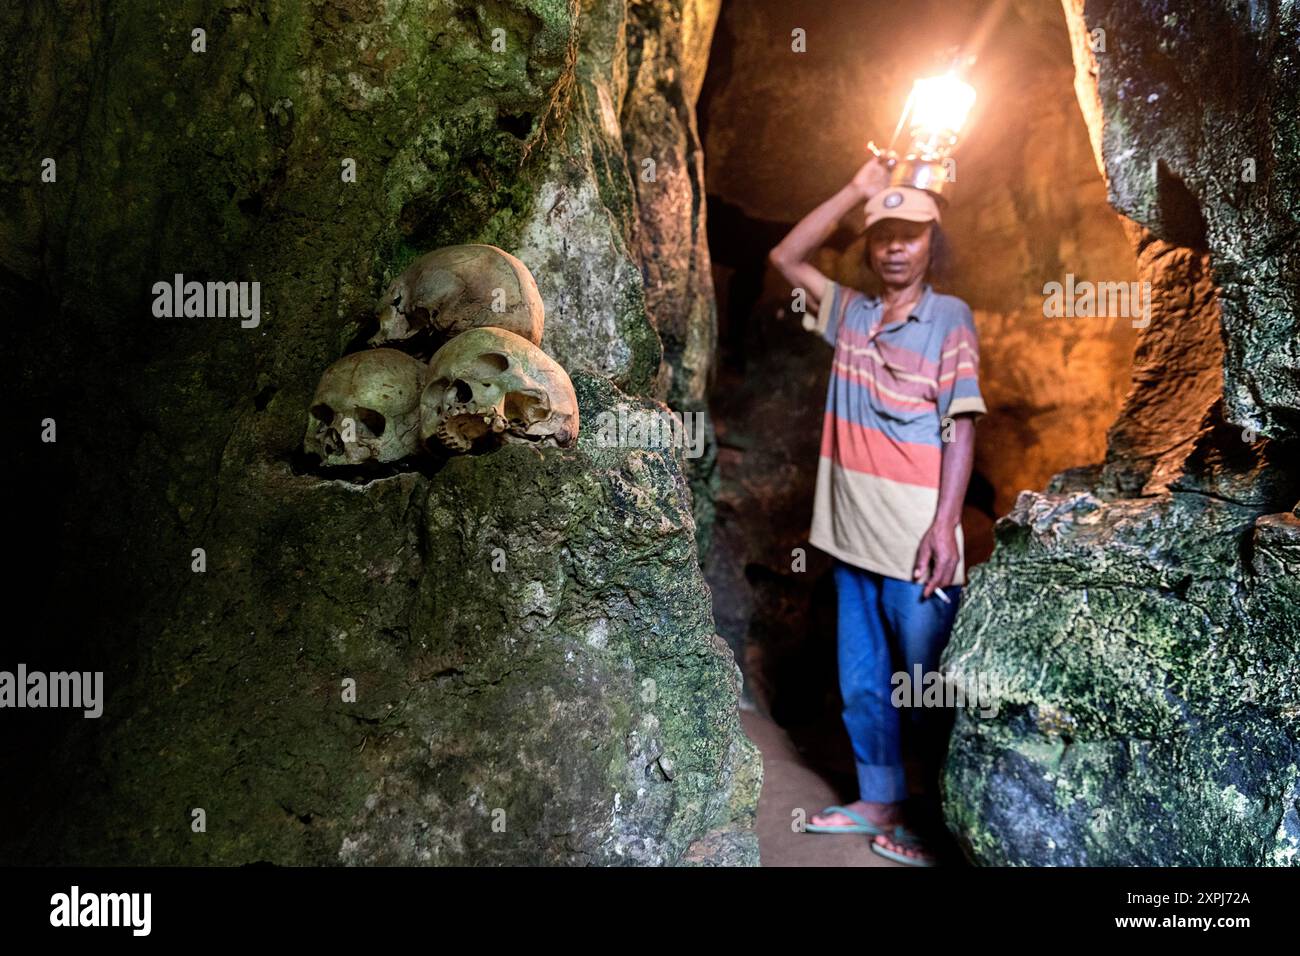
x=898, y=443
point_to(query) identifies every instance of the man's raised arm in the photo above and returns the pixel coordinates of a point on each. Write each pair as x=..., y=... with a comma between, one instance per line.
x=790, y=256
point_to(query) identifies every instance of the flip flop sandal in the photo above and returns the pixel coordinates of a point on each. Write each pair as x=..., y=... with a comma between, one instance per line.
x=860, y=823
x=903, y=837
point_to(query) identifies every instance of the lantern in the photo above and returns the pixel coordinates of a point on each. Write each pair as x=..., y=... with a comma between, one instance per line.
x=933, y=116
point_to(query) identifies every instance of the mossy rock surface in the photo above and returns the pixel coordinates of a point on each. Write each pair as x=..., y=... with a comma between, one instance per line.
x=1140, y=625
x=580, y=689
x=1143, y=662
x=536, y=677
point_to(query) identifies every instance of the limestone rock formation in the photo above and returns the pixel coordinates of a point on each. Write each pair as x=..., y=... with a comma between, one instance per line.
x=1141, y=618
x=318, y=152
x=536, y=679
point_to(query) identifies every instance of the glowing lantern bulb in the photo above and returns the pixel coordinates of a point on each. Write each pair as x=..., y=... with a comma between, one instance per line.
x=939, y=107
x=935, y=112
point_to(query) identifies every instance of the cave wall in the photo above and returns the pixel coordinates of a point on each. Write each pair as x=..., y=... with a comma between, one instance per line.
x=1139, y=618
x=786, y=130
x=563, y=696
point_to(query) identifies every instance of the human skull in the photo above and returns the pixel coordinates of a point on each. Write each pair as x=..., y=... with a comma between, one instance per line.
x=367, y=409
x=488, y=386
x=456, y=288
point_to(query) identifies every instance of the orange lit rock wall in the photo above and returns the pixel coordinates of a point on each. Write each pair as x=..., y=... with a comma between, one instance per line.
x=786, y=130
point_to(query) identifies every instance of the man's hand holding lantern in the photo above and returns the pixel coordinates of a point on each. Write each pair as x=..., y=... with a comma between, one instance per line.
x=871, y=178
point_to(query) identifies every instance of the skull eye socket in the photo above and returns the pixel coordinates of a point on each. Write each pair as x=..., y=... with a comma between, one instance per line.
x=372, y=420
x=323, y=413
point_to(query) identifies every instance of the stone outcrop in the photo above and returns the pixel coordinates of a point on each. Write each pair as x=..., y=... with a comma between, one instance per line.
x=1141, y=618
x=579, y=690
x=535, y=677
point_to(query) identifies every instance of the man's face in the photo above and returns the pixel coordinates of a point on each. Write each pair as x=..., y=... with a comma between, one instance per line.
x=899, y=250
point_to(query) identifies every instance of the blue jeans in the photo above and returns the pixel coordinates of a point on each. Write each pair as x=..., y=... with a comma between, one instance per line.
x=885, y=627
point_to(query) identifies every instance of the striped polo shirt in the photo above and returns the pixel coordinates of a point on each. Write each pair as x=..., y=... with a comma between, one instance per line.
x=890, y=389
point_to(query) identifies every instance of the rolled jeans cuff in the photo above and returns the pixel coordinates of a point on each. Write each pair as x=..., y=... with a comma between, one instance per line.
x=881, y=783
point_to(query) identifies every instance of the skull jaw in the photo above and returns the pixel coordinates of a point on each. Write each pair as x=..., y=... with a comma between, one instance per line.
x=327, y=444
x=545, y=434
x=334, y=452
x=461, y=427
x=460, y=433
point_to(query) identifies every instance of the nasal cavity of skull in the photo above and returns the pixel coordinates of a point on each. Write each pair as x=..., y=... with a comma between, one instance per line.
x=464, y=391
x=525, y=408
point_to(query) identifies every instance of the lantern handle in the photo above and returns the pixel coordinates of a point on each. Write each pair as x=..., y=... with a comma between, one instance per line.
x=887, y=157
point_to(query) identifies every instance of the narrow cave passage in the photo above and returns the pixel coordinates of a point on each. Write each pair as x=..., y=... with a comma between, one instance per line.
x=382, y=538
x=782, y=131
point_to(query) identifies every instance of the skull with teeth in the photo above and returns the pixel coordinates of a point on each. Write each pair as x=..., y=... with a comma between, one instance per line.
x=488, y=386
x=367, y=409
x=456, y=288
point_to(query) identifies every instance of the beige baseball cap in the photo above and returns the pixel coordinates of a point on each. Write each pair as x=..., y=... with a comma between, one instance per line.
x=902, y=202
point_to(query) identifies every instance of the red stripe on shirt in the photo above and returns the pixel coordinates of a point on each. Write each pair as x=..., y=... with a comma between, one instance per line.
x=872, y=452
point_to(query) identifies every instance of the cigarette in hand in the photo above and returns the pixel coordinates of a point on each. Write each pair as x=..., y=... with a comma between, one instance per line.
x=944, y=597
